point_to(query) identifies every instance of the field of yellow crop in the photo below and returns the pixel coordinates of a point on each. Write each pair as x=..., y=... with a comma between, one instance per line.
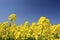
x=40, y=30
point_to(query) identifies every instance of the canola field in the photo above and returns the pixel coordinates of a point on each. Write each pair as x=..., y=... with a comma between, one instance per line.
x=40, y=30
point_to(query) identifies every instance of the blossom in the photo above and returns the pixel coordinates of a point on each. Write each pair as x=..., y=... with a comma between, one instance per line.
x=12, y=17
x=41, y=30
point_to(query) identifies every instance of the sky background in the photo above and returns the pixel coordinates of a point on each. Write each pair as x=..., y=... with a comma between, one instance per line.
x=30, y=10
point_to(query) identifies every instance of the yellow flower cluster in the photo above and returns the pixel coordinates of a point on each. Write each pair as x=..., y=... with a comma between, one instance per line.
x=41, y=30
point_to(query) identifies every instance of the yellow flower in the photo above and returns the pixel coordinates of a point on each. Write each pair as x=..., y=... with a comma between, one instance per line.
x=13, y=25
x=12, y=17
x=5, y=24
x=28, y=35
x=33, y=24
x=53, y=28
x=41, y=20
x=17, y=34
x=40, y=30
x=26, y=23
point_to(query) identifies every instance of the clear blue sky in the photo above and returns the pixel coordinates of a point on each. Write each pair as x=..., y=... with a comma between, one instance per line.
x=30, y=10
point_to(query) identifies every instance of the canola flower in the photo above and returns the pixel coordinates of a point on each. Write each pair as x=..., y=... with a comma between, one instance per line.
x=12, y=17
x=40, y=30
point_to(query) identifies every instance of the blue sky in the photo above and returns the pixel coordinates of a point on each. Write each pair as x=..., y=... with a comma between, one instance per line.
x=30, y=10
